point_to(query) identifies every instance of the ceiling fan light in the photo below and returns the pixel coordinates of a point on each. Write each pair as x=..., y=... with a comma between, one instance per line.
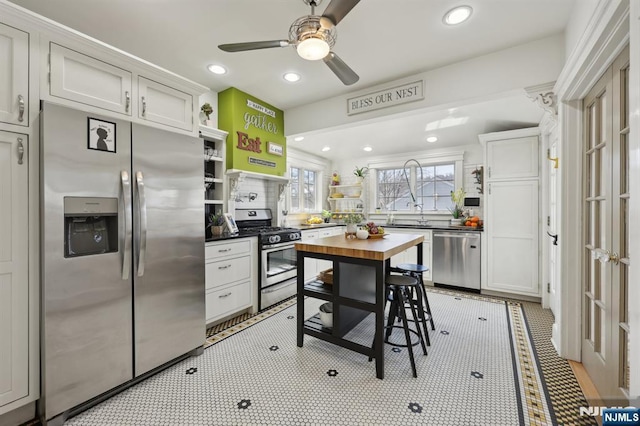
x=313, y=49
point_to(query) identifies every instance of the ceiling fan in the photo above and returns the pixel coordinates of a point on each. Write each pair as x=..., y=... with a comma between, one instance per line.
x=313, y=37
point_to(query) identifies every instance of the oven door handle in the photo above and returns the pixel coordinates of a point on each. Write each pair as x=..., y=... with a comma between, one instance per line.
x=276, y=247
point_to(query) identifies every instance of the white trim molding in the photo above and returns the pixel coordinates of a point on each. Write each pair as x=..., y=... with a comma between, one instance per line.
x=545, y=97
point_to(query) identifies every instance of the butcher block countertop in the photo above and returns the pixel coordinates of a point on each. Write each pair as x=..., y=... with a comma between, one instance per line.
x=372, y=249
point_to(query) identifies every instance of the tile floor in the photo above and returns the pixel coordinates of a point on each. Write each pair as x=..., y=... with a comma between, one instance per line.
x=253, y=373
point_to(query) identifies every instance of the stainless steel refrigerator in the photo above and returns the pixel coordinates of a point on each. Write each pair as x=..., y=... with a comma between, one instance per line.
x=122, y=253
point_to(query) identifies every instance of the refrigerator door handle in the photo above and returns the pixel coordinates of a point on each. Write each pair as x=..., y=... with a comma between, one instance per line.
x=126, y=196
x=142, y=232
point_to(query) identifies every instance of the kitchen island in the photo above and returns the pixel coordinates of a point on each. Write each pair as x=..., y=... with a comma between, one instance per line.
x=357, y=291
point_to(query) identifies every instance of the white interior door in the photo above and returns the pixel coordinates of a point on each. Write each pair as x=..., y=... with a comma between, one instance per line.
x=606, y=216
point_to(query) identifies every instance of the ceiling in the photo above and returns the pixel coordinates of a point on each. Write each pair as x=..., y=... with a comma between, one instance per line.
x=380, y=40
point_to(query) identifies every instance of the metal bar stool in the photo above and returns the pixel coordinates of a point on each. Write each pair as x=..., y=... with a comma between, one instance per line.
x=416, y=270
x=399, y=290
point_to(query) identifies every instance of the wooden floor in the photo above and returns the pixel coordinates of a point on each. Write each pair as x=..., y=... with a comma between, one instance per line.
x=588, y=388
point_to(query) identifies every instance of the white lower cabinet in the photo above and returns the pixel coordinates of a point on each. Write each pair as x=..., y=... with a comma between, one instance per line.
x=230, y=276
x=410, y=255
x=14, y=277
x=312, y=267
x=310, y=264
x=512, y=242
x=323, y=265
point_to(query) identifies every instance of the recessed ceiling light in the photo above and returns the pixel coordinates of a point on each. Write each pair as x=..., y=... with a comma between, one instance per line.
x=291, y=77
x=217, y=69
x=432, y=139
x=298, y=138
x=326, y=148
x=457, y=15
x=368, y=148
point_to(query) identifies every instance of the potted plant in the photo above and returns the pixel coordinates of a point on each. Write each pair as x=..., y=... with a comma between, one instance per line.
x=360, y=173
x=207, y=110
x=456, y=210
x=352, y=220
x=216, y=223
x=326, y=215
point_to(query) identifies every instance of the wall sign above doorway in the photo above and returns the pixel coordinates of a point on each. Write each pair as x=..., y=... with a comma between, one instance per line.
x=393, y=96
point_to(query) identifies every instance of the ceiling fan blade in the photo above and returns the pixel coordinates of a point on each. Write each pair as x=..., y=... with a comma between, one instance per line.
x=253, y=45
x=338, y=9
x=340, y=69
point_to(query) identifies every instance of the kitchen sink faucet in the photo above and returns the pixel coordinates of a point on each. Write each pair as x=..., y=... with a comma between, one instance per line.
x=422, y=220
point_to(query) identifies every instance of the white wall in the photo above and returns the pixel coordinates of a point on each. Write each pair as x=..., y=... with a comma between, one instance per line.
x=578, y=21
x=479, y=78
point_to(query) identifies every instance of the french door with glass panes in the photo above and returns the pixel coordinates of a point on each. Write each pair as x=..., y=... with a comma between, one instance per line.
x=605, y=259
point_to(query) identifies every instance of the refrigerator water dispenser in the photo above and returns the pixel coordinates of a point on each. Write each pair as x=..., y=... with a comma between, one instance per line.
x=90, y=226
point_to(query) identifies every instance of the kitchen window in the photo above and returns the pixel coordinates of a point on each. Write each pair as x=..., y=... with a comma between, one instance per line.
x=304, y=190
x=427, y=188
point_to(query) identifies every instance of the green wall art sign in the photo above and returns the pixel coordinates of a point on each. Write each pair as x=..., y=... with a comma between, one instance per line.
x=256, y=140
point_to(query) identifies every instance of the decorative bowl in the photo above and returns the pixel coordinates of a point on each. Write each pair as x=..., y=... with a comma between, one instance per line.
x=374, y=236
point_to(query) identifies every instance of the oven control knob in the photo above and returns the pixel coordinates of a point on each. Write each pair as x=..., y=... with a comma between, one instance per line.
x=294, y=236
x=274, y=239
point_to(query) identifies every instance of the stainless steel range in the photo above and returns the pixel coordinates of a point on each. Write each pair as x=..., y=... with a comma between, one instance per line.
x=276, y=255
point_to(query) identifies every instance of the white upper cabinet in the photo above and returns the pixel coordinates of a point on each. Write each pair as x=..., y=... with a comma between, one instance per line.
x=14, y=76
x=81, y=78
x=164, y=105
x=512, y=158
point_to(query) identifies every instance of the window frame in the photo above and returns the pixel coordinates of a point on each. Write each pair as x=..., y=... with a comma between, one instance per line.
x=455, y=158
x=303, y=162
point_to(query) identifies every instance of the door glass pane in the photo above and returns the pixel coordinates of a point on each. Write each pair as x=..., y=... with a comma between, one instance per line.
x=624, y=293
x=602, y=125
x=624, y=94
x=598, y=336
x=591, y=123
x=624, y=163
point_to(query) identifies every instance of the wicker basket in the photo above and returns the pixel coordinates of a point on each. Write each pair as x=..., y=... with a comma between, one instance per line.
x=326, y=276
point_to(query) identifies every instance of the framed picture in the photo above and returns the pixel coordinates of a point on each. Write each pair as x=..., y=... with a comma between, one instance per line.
x=101, y=135
x=274, y=148
x=231, y=223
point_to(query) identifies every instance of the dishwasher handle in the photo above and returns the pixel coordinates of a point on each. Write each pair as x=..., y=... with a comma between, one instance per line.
x=455, y=235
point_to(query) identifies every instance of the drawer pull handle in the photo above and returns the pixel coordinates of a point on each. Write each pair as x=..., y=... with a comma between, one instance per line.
x=224, y=295
x=223, y=250
x=224, y=267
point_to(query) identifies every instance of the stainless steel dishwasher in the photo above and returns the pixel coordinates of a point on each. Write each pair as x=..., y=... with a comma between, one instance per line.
x=456, y=259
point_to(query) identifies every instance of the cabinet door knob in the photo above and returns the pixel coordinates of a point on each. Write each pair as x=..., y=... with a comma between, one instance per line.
x=20, y=108
x=20, y=150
